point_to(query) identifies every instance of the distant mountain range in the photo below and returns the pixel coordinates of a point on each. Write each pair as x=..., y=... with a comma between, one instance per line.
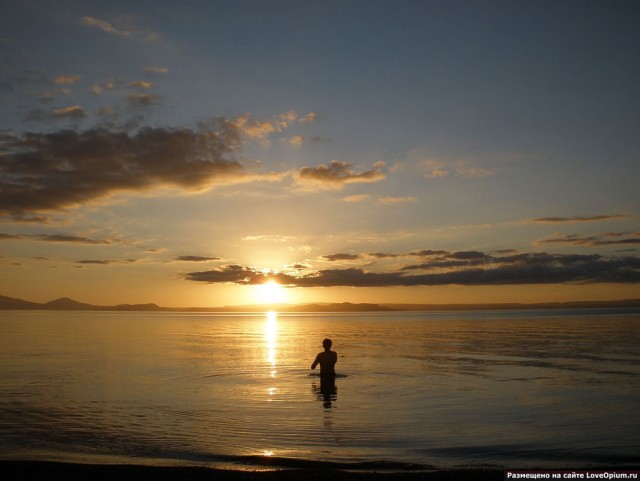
x=66, y=304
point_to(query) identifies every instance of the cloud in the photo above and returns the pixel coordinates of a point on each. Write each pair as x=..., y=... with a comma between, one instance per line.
x=9, y=236
x=463, y=169
x=299, y=267
x=105, y=262
x=270, y=238
x=383, y=255
x=575, y=219
x=155, y=250
x=521, y=269
x=262, y=129
x=142, y=100
x=296, y=140
x=310, y=117
x=100, y=24
x=73, y=112
x=65, y=238
x=131, y=31
x=156, y=70
x=255, y=129
x=444, y=260
x=606, y=239
x=396, y=200
x=195, y=259
x=43, y=172
x=341, y=257
x=228, y=274
x=141, y=84
x=107, y=85
x=428, y=253
x=356, y=198
x=434, y=169
x=67, y=79
x=335, y=176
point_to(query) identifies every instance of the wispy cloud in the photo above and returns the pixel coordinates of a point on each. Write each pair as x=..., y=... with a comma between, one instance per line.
x=310, y=117
x=261, y=130
x=255, y=129
x=142, y=99
x=383, y=200
x=141, y=84
x=396, y=200
x=341, y=257
x=72, y=112
x=576, y=219
x=104, y=262
x=295, y=140
x=335, y=176
x=129, y=31
x=383, y=255
x=64, y=238
x=195, y=259
x=597, y=240
x=67, y=79
x=270, y=238
x=434, y=169
x=156, y=70
x=357, y=198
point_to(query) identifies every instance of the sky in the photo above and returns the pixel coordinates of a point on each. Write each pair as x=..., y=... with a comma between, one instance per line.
x=192, y=153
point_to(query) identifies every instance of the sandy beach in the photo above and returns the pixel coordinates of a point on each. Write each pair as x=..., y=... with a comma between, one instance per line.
x=41, y=470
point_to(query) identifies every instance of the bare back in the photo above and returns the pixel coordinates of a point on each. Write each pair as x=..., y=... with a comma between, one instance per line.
x=327, y=361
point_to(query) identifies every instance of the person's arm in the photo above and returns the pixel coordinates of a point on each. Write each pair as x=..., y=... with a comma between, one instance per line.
x=315, y=363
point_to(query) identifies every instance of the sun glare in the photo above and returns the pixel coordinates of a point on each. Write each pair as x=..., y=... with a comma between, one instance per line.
x=269, y=293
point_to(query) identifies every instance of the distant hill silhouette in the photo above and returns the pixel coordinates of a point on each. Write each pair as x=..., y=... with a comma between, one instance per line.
x=67, y=304
x=12, y=303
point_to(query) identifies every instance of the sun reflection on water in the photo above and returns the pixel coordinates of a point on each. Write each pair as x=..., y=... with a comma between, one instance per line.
x=271, y=338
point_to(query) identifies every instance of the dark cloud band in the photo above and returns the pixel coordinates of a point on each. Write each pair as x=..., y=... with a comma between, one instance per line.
x=42, y=172
x=517, y=269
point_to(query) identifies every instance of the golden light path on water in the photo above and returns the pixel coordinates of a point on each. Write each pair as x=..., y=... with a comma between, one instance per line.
x=271, y=339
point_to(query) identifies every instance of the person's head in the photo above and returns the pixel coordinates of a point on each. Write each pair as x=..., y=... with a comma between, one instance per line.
x=327, y=343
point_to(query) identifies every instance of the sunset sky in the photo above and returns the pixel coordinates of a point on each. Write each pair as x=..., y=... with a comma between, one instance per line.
x=186, y=152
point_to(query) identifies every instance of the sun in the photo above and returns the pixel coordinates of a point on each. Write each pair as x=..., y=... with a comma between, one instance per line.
x=269, y=293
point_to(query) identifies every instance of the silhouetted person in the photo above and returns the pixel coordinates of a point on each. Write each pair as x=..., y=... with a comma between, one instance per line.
x=327, y=360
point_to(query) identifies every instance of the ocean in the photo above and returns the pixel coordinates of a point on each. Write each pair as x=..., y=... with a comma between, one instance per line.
x=507, y=389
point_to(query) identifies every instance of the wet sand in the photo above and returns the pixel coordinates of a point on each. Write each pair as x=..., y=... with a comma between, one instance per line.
x=44, y=470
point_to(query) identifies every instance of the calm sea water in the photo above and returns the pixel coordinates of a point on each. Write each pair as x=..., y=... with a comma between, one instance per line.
x=508, y=389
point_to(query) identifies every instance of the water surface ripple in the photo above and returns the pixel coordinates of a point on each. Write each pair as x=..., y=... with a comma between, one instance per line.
x=511, y=389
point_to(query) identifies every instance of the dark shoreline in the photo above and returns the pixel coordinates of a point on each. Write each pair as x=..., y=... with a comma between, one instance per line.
x=46, y=470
